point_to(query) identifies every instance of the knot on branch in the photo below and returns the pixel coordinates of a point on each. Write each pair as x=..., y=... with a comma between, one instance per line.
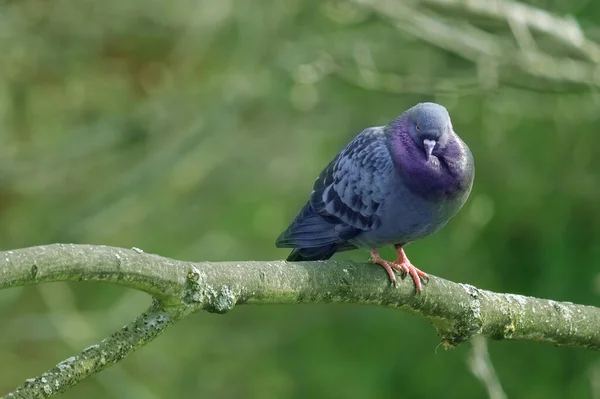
x=194, y=294
x=200, y=294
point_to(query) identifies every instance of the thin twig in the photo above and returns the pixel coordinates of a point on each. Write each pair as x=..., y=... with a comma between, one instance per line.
x=61, y=299
x=518, y=60
x=562, y=29
x=98, y=357
x=481, y=366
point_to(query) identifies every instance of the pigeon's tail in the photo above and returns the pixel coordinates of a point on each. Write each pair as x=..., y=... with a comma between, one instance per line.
x=316, y=253
x=315, y=237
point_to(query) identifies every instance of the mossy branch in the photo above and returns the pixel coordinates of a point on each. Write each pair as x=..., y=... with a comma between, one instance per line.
x=458, y=311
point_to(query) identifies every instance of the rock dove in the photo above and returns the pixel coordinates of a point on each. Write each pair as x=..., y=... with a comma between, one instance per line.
x=391, y=185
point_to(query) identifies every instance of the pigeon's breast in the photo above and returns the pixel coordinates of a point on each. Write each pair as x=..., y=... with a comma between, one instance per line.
x=406, y=217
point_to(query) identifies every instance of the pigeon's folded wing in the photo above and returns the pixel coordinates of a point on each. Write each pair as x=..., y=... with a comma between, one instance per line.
x=347, y=196
x=353, y=187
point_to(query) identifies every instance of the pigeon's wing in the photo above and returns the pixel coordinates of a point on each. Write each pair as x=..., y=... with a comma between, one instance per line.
x=356, y=183
x=346, y=196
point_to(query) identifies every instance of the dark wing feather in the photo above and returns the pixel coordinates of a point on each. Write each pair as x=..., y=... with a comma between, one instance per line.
x=346, y=196
x=355, y=184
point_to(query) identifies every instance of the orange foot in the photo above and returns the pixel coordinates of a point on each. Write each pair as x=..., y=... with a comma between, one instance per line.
x=402, y=264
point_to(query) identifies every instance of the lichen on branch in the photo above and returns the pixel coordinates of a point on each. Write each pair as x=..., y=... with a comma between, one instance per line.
x=178, y=288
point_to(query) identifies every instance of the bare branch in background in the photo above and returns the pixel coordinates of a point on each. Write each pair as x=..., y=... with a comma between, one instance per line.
x=481, y=365
x=594, y=375
x=458, y=311
x=564, y=30
x=517, y=59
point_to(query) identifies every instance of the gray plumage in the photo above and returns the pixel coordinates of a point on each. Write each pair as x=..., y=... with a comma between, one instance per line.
x=390, y=185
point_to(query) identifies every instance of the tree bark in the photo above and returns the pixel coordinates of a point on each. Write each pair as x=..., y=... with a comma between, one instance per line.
x=457, y=311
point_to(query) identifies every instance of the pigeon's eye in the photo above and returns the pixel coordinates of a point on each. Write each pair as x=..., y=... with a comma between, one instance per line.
x=417, y=127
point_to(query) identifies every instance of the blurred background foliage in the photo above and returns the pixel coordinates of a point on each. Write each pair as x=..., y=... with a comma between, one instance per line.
x=195, y=129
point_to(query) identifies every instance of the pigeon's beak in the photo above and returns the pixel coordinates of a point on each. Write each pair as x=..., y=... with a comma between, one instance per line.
x=429, y=146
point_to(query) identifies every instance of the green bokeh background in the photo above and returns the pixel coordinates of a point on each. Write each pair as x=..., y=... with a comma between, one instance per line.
x=195, y=129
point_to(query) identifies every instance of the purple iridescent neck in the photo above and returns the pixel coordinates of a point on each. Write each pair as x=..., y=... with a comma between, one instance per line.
x=448, y=173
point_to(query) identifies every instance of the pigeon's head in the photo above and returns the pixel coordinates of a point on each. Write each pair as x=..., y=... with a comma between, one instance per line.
x=429, y=126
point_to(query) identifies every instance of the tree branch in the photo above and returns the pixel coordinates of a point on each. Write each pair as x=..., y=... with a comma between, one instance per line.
x=564, y=30
x=95, y=358
x=60, y=262
x=515, y=59
x=458, y=311
x=481, y=366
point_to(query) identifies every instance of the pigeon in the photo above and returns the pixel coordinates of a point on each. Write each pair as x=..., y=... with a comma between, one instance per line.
x=391, y=185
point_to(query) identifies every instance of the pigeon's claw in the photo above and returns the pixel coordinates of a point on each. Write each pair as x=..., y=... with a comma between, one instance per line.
x=386, y=264
x=416, y=274
x=403, y=265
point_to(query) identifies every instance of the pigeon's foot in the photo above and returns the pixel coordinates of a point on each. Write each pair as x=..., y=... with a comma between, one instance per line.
x=402, y=264
x=386, y=264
